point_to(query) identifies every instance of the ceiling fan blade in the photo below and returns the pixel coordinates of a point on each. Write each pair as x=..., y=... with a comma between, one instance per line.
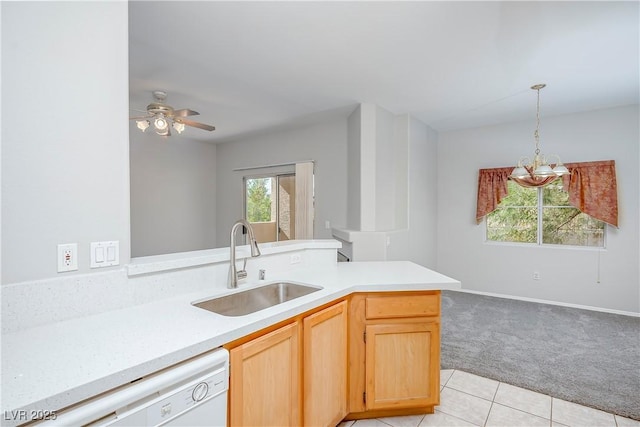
x=140, y=117
x=196, y=124
x=184, y=113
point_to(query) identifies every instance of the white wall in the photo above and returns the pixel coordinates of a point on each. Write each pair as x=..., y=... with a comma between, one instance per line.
x=325, y=143
x=65, y=148
x=385, y=170
x=567, y=275
x=173, y=194
x=402, y=139
x=354, y=125
x=423, y=190
x=378, y=169
x=397, y=198
x=368, y=171
x=417, y=242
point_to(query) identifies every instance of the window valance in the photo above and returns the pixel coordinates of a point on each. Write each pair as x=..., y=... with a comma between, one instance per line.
x=492, y=188
x=591, y=186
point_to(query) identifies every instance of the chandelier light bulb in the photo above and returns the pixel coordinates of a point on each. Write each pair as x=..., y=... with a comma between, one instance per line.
x=519, y=172
x=544, y=171
x=561, y=170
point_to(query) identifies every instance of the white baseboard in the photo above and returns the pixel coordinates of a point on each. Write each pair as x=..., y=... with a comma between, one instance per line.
x=541, y=301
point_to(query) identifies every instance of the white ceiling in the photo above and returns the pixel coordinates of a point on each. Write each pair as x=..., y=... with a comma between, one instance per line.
x=252, y=66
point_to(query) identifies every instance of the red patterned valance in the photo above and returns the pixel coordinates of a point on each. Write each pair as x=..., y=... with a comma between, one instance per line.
x=492, y=188
x=593, y=189
x=591, y=186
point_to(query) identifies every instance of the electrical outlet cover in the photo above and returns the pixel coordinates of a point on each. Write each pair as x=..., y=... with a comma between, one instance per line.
x=67, y=257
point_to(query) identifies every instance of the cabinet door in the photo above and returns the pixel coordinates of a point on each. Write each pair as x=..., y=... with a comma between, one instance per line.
x=264, y=387
x=325, y=366
x=402, y=368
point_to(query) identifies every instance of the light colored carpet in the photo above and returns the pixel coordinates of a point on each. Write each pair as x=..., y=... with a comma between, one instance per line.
x=582, y=356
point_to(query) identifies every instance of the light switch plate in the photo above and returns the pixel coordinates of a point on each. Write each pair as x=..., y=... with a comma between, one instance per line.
x=105, y=254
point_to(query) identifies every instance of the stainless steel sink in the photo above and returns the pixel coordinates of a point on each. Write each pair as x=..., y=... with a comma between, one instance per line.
x=256, y=299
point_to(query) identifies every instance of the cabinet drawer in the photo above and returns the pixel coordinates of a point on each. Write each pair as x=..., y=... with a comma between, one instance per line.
x=384, y=307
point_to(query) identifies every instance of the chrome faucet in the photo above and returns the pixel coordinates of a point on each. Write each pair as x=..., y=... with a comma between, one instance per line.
x=234, y=274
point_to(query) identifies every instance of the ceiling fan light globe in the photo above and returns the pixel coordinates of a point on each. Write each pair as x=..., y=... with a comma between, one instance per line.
x=161, y=123
x=142, y=124
x=179, y=127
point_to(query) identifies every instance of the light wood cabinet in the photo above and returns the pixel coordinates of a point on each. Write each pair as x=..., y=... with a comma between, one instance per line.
x=292, y=375
x=367, y=356
x=325, y=366
x=264, y=388
x=398, y=367
x=394, y=353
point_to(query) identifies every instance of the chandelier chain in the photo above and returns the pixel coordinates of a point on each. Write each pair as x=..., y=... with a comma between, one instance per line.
x=536, y=134
x=538, y=171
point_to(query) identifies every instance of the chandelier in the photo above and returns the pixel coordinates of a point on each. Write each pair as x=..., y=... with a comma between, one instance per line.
x=537, y=172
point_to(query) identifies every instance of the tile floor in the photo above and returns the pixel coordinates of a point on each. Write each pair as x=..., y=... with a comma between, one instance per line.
x=470, y=400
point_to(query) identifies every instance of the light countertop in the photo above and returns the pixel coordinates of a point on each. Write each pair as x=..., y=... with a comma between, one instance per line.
x=52, y=366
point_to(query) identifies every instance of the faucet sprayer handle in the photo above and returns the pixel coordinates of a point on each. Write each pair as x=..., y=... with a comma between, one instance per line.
x=255, y=250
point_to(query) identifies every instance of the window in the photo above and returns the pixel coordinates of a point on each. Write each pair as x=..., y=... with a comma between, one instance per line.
x=542, y=216
x=259, y=202
x=270, y=206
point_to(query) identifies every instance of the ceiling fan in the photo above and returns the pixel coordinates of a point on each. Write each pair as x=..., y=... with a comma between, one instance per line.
x=164, y=117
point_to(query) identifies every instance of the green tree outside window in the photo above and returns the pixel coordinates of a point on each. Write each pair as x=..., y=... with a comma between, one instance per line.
x=524, y=210
x=259, y=199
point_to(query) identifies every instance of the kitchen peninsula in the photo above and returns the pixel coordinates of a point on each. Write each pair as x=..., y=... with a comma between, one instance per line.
x=51, y=366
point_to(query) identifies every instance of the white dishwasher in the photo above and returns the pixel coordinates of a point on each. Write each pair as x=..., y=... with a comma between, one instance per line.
x=192, y=393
